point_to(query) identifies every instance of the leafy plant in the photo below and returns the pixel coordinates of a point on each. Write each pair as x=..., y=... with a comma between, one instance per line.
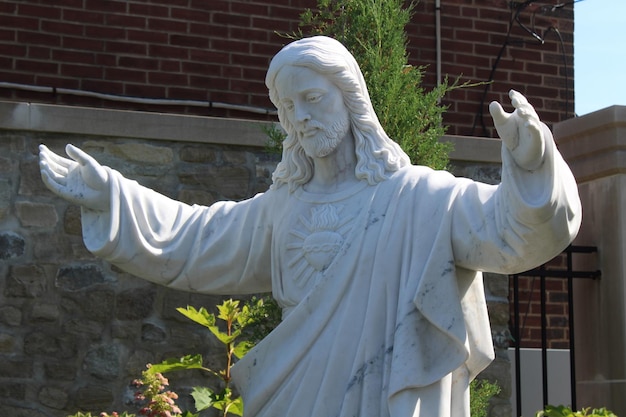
x=240, y=328
x=257, y=317
x=564, y=411
x=481, y=392
x=158, y=401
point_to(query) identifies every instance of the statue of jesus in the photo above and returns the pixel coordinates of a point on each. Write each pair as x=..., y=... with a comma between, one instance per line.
x=375, y=262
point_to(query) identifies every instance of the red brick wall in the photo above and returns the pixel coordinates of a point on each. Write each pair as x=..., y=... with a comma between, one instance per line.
x=473, y=33
x=218, y=50
x=557, y=316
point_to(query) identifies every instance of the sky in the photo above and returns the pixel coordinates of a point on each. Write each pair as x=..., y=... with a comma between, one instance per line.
x=599, y=54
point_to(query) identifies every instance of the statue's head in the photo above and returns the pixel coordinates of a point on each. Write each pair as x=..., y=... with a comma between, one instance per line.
x=377, y=155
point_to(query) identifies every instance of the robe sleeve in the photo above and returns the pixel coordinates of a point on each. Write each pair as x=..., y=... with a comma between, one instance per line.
x=221, y=249
x=525, y=221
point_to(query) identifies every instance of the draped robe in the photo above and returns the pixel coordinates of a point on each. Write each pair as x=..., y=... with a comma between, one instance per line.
x=379, y=284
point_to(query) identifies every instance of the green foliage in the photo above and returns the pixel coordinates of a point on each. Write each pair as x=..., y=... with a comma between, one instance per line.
x=257, y=317
x=238, y=329
x=374, y=32
x=265, y=314
x=563, y=411
x=480, y=393
x=275, y=137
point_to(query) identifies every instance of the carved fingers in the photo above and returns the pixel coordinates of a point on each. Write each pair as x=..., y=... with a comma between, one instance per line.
x=80, y=180
x=521, y=131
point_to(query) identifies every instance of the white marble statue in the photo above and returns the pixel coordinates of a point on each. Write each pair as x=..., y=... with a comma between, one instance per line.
x=373, y=260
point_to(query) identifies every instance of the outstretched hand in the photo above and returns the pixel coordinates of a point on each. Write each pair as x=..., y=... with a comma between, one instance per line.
x=80, y=180
x=521, y=131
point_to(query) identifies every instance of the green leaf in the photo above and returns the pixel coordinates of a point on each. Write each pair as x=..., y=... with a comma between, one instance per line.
x=236, y=407
x=224, y=337
x=203, y=397
x=173, y=364
x=242, y=348
x=201, y=316
x=228, y=310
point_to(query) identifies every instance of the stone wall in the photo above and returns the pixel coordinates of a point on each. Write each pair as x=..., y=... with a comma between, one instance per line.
x=74, y=330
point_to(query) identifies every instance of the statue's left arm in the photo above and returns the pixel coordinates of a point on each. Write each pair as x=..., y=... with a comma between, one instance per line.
x=532, y=215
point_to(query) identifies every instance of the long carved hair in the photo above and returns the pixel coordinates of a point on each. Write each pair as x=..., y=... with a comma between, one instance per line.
x=377, y=155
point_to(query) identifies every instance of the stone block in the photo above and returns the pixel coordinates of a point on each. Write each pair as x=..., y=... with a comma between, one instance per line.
x=50, y=247
x=84, y=328
x=193, y=196
x=134, y=304
x=30, y=179
x=13, y=390
x=497, y=285
x=6, y=165
x=45, y=312
x=12, y=245
x=25, y=411
x=64, y=371
x=94, y=397
x=78, y=277
x=71, y=221
x=238, y=157
x=6, y=194
x=135, y=151
x=188, y=337
x=171, y=300
x=230, y=182
x=25, y=281
x=36, y=214
x=11, y=316
x=125, y=330
x=103, y=362
x=498, y=312
x=17, y=368
x=152, y=333
x=40, y=343
x=501, y=335
x=8, y=343
x=53, y=397
x=137, y=362
x=99, y=304
x=198, y=154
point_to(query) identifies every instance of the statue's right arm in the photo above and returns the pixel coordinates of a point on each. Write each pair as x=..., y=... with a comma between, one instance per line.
x=80, y=180
x=219, y=249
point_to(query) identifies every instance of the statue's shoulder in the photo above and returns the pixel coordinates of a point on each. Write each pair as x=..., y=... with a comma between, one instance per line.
x=423, y=176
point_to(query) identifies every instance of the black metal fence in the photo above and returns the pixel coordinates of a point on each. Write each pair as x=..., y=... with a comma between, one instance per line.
x=542, y=273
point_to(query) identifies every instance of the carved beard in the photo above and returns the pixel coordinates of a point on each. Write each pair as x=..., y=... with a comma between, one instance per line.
x=327, y=138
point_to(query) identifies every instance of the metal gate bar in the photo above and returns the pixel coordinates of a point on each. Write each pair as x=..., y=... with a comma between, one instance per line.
x=544, y=273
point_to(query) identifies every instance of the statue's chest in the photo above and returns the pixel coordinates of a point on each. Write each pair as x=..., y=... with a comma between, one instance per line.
x=313, y=236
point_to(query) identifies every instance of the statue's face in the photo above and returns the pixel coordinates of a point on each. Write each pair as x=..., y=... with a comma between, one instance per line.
x=314, y=106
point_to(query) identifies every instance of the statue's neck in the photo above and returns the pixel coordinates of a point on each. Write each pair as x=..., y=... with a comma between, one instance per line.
x=336, y=171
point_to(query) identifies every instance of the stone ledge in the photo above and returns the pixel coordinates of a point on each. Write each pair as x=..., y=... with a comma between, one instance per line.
x=183, y=128
x=129, y=124
x=474, y=149
x=594, y=145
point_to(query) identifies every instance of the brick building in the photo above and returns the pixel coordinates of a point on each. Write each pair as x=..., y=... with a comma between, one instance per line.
x=217, y=52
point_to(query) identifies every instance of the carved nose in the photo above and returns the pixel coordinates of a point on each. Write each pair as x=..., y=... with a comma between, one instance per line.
x=302, y=114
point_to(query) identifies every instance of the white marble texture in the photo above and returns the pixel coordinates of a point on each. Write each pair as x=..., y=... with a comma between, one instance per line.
x=374, y=261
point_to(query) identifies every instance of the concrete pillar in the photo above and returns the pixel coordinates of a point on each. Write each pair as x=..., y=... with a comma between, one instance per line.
x=595, y=147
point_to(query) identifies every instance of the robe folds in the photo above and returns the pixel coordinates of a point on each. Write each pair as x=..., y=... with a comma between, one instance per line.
x=380, y=285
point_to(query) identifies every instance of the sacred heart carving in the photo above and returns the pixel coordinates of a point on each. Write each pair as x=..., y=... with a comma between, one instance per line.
x=320, y=248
